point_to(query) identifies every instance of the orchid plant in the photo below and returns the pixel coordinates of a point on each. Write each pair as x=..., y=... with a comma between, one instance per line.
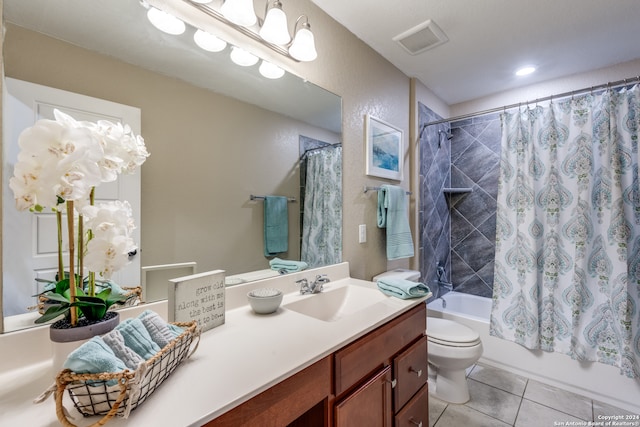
x=60, y=164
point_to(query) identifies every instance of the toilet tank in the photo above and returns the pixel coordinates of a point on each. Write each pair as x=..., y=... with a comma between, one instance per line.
x=399, y=273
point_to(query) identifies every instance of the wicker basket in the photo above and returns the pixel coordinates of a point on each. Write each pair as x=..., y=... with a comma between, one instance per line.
x=92, y=394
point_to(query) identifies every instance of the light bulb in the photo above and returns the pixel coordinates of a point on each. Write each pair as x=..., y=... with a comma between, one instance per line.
x=240, y=12
x=270, y=71
x=274, y=30
x=303, y=47
x=242, y=57
x=165, y=21
x=208, y=41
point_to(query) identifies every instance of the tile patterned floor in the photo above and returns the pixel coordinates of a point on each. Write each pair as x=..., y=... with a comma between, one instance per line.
x=503, y=399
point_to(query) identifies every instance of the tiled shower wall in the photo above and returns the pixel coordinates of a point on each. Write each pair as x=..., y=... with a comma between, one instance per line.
x=435, y=221
x=458, y=229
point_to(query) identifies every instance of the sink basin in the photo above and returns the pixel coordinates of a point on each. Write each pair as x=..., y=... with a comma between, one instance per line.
x=334, y=304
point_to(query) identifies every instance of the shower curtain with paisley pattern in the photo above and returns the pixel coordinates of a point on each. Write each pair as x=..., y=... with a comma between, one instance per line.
x=322, y=215
x=567, y=270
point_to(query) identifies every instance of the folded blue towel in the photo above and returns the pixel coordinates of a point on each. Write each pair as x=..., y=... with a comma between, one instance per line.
x=137, y=338
x=290, y=266
x=175, y=330
x=393, y=215
x=276, y=225
x=115, y=341
x=94, y=357
x=402, y=288
x=157, y=328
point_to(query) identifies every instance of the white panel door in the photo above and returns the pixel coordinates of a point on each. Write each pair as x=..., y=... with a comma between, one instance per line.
x=29, y=240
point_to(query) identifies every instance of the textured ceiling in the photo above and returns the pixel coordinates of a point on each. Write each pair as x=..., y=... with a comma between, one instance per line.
x=489, y=39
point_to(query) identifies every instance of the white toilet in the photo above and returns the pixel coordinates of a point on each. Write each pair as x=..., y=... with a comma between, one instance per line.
x=452, y=348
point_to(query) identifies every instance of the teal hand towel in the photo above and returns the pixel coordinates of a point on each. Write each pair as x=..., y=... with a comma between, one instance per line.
x=157, y=328
x=175, y=330
x=393, y=215
x=276, y=225
x=115, y=341
x=94, y=357
x=402, y=288
x=290, y=266
x=137, y=338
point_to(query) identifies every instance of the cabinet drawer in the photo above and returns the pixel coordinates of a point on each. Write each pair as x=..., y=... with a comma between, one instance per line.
x=410, y=371
x=361, y=358
x=416, y=413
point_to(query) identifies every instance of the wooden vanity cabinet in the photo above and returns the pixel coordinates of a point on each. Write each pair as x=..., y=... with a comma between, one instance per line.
x=381, y=379
x=378, y=380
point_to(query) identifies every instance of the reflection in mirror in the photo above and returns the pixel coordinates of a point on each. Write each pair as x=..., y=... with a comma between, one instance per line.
x=217, y=133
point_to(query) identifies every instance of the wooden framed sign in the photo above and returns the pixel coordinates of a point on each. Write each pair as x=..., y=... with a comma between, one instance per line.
x=198, y=297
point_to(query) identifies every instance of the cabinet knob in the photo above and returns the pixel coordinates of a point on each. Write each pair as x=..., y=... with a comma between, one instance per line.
x=418, y=372
x=414, y=422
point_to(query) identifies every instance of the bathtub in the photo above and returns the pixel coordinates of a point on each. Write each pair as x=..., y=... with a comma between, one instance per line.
x=595, y=380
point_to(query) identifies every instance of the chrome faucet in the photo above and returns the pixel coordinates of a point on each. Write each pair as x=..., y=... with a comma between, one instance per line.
x=314, y=287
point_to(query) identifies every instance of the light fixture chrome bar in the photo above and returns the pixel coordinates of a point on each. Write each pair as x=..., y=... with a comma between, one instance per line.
x=246, y=31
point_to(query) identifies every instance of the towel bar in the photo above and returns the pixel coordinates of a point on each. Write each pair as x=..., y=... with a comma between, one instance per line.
x=252, y=197
x=366, y=189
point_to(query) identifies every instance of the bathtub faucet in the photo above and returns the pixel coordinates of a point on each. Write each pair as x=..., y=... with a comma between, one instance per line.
x=444, y=302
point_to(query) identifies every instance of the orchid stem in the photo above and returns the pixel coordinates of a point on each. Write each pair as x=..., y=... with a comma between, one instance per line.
x=60, y=263
x=72, y=274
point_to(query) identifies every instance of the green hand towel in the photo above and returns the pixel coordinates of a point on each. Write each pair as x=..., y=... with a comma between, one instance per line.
x=276, y=225
x=290, y=266
x=402, y=288
x=393, y=215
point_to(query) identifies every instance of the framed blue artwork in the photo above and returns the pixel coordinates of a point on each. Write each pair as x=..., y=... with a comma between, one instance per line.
x=384, y=149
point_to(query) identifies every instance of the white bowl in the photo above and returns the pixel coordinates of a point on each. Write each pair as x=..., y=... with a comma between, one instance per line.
x=265, y=300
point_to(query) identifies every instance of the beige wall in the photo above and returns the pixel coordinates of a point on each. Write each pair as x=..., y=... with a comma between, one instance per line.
x=208, y=154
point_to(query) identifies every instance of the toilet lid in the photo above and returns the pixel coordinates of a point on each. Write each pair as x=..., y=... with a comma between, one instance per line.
x=448, y=331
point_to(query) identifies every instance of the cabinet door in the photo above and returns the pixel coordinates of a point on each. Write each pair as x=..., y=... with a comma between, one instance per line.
x=369, y=405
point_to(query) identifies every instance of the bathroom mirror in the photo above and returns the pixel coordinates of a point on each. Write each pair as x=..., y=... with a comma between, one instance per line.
x=237, y=136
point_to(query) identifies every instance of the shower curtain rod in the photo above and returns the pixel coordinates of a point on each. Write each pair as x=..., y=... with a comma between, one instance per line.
x=336, y=145
x=609, y=85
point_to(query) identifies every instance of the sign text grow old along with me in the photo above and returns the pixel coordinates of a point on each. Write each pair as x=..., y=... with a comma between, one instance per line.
x=198, y=297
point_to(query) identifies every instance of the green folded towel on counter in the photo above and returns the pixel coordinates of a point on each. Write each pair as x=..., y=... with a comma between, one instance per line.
x=290, y=266
x=403, y=289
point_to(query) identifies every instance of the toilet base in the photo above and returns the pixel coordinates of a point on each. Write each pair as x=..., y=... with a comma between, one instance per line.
x=451, y=386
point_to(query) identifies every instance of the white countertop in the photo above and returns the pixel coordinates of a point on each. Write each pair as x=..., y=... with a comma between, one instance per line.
x=234, y=362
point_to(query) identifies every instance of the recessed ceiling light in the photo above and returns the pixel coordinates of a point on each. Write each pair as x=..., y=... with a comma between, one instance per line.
x=525, y=71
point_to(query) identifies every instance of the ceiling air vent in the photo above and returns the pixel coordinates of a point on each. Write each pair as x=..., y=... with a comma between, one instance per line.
x=422, y=37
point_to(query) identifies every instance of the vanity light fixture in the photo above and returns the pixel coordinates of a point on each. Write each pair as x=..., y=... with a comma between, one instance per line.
x=165, y=22
x=208, y=41
x=239, y=12
x=274, y=29
x=273, y=32
x=242, y=57
x=303, y=47
x=270, y=71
